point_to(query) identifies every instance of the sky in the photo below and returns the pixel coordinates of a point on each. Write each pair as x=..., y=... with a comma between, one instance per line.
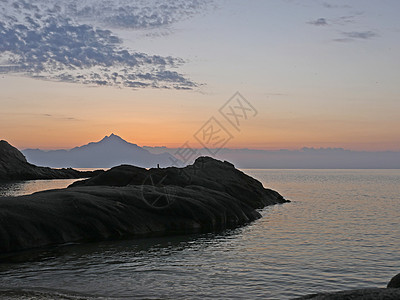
x=310, y=73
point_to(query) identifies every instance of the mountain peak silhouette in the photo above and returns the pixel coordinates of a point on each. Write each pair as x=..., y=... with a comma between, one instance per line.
x=113, y=138
x=111, y=151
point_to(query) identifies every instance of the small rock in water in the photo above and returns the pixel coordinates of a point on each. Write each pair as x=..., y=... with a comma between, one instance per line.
x=394, y=282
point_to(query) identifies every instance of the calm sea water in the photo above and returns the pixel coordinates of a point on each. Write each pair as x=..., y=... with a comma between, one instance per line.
x=340, y=232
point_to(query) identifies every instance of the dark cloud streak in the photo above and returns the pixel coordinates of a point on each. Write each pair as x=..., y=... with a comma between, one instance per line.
x=329, y=5
x=356, y=35
x=319, y=22
x=364, y=35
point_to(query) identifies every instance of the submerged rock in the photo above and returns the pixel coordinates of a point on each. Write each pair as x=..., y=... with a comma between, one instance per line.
x=390, y=293
x=210, y=195
x=14, y=166
x=360, y=294
x=394, y=282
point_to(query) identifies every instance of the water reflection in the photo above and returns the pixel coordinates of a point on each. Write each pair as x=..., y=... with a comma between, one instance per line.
x=145, y=267
x=20, y=188
x=125, y=248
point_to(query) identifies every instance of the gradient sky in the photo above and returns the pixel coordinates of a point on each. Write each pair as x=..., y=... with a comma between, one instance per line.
x=319, y=73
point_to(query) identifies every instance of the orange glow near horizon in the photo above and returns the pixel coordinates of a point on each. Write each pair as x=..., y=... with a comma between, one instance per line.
x=55, y=116
x=174, y=137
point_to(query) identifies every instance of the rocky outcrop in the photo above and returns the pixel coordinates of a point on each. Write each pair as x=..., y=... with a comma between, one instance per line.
x=394, y=283
x=205, y=172
x=392, y=292
x=360, y=294
x=13, y=166
x=129, y=201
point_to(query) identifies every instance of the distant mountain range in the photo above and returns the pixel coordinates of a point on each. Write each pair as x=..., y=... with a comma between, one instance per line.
x=113, y=150
x=109, y=152
x=305, y=158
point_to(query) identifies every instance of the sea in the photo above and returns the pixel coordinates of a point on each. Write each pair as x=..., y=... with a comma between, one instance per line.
x=341, y=231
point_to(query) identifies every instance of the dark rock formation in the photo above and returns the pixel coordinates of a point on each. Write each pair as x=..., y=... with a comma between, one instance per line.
x=394, y=282
x=13, y=166
x=207, y=196
x=360, y=294
x=390, y=293
x=205, y=172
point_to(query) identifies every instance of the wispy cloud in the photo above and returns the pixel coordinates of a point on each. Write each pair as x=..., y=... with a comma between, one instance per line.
x=330, y=5
x=337, y=22
x=42, y=115
x=343, y=40
x=58, y=117
x=364, y=35
x=356, y=35
x=344, y=20
x=62, y=41
x=319, y=22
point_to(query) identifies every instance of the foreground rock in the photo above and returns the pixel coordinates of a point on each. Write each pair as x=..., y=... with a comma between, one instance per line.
x=392, y=292
x=210, y=195
x=364, y=294
x=394, y=283
x=205, y=172
x=13, y=166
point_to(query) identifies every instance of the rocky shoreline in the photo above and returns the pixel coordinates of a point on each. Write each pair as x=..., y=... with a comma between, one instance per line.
x=14, y=166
